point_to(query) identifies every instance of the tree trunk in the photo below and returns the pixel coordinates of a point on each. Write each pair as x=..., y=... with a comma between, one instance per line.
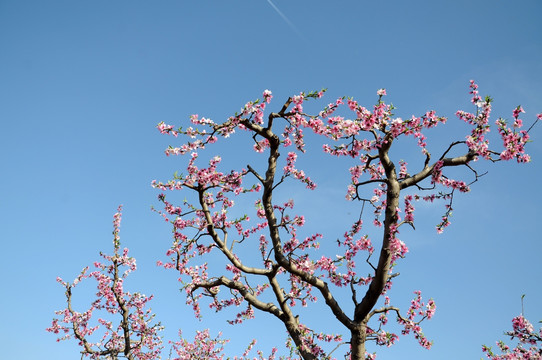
x=357, y=342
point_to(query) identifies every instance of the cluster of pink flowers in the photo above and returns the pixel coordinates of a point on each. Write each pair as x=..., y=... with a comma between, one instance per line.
x=529, y=345
x=514, y=140
x=203, y=347
x=425, y=311
x=211, y=348
x=167, y=129
x=417, y=312
x=386, y=338
x=290, y=169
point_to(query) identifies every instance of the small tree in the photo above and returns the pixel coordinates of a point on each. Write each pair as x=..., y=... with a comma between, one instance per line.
x=291, y=270
x=134, y=337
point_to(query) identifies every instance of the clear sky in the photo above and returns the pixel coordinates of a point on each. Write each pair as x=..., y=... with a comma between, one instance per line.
x=83, y=84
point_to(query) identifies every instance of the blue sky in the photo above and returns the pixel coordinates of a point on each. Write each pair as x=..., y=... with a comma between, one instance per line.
x=83, y=84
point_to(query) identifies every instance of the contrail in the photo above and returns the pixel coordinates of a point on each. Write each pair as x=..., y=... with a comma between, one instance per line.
x=286, y=19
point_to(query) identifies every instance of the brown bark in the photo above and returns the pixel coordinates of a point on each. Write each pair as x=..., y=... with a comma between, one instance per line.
x=357, y=342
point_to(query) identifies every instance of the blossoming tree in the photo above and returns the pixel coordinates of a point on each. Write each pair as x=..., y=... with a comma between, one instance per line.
x=287, y=268
x=134, y=337
x=213, y=242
